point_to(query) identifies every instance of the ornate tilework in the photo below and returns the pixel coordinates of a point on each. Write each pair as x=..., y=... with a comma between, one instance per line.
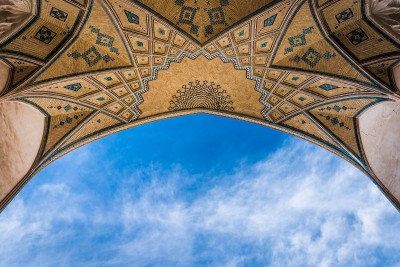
x=242, y=34
x=303, y=100
x=270, y=21
x=22, y=69
x=344, y=15
x=357, y=36
x=382, y=71
x=64, y=117
x=273, y=18
x=255, y=111
x=201, y=95
x=137, y=82
x=99, y=100
x=44, y=36
x=287, y=109
x=115, y=108
x=73, y=89
x=58, y=14
x=161, y=31
x=130, y=75
x=275, y=115
x=265, y=44
x=347, y=24
x=98, y=47
x=274, y=74
x=339, y=118
x=108, y=80
x=298, y=40
x=328, y=89
x=92, y=56
x=203, y=20
x=127, y=115
x=308, y=50
x=312, y=57
x=303, y=124
x=187, y=15
x=131, y=17
x=295, y=79
x=273, y=100
x=282, y=91
x=100, y=122
x=120, y=92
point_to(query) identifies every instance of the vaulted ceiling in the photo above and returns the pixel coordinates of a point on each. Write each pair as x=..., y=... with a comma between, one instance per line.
x=94, y=67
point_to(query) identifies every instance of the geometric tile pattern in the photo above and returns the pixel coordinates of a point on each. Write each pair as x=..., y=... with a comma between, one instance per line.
x=303, y=48
x=381, y=70
x=203, y=20
x=273, y=19
x=184, y=92
x=99, y=47
x=56, y=25
x=21, y=69
x=74, y=89
x=201, y=95
x=95, y=125
x=64, y=117
x=302, y=123
x=130, y=17
x=328, y=89
x=93, y=67
x=347, y=25
x=339, y=119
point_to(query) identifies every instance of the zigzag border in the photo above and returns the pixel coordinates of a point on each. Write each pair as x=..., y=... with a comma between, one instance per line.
x=169, y=60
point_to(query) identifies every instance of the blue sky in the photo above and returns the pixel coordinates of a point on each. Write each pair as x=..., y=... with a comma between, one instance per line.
x=200, y=191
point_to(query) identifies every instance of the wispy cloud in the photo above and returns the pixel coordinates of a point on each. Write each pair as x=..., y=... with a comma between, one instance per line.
x=301, y=206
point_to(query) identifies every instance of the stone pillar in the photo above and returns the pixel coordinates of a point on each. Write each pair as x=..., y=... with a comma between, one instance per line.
x=21, y=127
x=380, y=131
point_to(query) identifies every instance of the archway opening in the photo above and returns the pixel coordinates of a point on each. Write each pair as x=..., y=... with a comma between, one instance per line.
x=199, y=190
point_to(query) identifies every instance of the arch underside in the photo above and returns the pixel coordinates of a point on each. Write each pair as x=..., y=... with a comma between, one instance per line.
x=312, y=68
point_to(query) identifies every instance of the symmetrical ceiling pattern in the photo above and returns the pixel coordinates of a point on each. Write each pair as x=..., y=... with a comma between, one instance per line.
x=94, y=67
x=203, y=20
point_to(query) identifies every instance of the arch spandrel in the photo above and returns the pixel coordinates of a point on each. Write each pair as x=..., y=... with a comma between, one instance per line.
x=303, y=67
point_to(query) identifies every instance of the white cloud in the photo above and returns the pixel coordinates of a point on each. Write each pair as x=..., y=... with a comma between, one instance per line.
x=302, y=206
